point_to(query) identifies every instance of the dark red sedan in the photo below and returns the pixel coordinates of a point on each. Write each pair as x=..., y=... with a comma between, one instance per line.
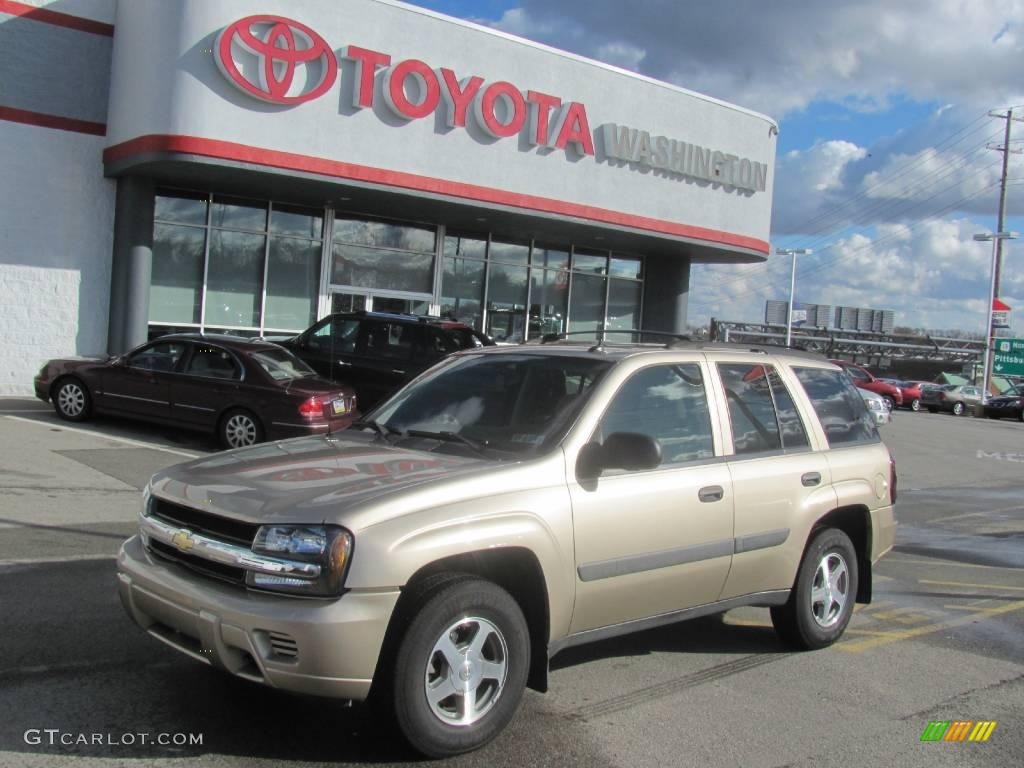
x=244, y=390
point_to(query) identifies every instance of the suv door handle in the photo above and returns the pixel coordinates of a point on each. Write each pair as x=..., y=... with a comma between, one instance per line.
x=711, y=493
x=400, y=373
x=810, y=478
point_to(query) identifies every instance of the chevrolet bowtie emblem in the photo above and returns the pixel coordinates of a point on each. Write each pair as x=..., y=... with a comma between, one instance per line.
x=183, y=540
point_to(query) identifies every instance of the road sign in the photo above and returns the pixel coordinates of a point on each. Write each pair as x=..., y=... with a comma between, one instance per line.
x=1000, y=314
x=1008, y=359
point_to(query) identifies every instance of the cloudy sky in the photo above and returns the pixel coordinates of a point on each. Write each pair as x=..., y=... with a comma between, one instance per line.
x=883, y=108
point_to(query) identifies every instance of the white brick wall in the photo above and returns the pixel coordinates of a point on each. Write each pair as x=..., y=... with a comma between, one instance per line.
x=56, y=236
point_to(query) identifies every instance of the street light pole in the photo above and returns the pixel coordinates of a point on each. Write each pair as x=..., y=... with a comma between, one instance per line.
x=792, y=252
x=995, y=238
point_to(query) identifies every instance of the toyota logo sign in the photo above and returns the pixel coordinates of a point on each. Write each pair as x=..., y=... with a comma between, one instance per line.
x=276, y=59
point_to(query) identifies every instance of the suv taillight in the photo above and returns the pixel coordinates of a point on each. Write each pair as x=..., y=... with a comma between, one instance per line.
x=892, y=478
x=311, y=408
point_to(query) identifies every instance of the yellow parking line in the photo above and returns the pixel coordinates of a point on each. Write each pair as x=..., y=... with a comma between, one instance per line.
x=896, y=559
x=858, y=646
x=972, y=586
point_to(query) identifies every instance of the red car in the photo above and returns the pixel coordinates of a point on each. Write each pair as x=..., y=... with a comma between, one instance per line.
x=244, y=390
x=864, y=379
x=911, y=392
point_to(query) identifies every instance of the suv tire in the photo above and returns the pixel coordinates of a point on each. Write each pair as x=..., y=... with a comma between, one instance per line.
x=821, y=604
x=71, y=399
x=468, y=634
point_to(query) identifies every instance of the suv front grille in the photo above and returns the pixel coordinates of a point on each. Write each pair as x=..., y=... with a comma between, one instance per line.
x=198, y=564
x=197, y=521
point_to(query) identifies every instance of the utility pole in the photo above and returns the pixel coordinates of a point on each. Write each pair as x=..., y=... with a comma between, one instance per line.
x=1005, y=149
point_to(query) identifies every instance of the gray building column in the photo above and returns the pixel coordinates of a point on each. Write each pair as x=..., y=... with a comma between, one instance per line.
x=666, y=293
x=132, y=264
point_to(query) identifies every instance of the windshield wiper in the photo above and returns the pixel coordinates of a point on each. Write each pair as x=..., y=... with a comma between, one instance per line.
x=381, y=429
x=451, y=437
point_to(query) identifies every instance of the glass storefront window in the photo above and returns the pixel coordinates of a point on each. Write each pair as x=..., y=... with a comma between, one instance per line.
x=234, y=279
x=466, y=246
x=293, y=282
x=362, y=267
x=550, y=257
x=300, y=222
x=462, y=291
x=233, y=213
x=624, y=308
x=506, y=302
x=549, y=301
x=593, y=262
x=624, y=266
x=380, y=234
x=586, y=310
x=176, y=285
x=511, y=253
x=181, y=208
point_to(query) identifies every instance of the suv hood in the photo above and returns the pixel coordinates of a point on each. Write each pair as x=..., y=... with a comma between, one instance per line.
x=314, y=479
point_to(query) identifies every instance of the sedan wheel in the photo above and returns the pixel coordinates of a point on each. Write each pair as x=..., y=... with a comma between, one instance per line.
x=71, y=400
x=239, y=429
x=958, y=409
x=915, y=404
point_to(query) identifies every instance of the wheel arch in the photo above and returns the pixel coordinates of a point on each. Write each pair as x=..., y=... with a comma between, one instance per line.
x=855, y=521
x=516, y=570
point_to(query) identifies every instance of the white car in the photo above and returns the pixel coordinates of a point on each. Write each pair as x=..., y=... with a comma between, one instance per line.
x=877, y=405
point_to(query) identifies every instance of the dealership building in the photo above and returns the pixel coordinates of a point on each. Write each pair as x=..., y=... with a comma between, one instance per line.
x=247, y=167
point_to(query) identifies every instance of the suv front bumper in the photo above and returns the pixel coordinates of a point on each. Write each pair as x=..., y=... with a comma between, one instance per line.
x=320, y=647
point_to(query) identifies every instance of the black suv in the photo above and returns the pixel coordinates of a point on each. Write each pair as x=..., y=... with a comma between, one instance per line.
x=377, y=352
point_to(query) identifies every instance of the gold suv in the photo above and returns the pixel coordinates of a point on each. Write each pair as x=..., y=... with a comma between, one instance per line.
x=512, y=502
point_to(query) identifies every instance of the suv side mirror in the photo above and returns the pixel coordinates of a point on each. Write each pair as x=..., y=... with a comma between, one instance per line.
x=631, y=451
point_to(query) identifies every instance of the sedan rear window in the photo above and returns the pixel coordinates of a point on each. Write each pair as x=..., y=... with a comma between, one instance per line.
x=281, y=365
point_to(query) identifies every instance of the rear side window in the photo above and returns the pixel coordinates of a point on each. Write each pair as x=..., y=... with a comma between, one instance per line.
x=389, y=341
x=794, y=436
x=839, y=406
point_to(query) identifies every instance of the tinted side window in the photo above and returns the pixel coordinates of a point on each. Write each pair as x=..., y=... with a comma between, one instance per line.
x=389, y=341
x=839, y=406
x=669, y=403
x=213, y=362
x=163, y=356
x=794, y=436
x=755, y=427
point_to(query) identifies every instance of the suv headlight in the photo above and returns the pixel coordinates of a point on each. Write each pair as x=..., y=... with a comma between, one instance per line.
x=329, y=546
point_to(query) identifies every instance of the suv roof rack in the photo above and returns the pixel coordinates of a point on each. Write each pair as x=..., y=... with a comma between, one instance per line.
x=602, y=341
x=681, y=341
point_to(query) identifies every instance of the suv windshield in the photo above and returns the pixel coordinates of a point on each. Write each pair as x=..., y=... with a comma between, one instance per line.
x=512, y=403
x=280, y=364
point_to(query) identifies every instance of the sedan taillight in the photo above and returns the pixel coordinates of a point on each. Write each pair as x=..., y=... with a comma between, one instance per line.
x=311, y=408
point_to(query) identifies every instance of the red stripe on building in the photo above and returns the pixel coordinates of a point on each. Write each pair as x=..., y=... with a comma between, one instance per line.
x=52, y=121
x=57, y=18
x=225, y=150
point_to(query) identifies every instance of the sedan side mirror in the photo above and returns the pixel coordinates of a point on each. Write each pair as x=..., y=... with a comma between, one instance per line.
x=631, y=451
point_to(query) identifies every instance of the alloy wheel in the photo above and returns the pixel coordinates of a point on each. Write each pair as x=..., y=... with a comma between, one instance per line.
x=240, y=431
x=466, y=671
x=71, y=399
x=830, y=589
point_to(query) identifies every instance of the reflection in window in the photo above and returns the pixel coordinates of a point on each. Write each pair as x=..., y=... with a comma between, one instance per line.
x=512, y=253
x=390, y=270
x=839, y=406
x=462, y=291
x=380, y=234
x=794, y=436
x=593, y=262
x=622, y=266
x=299, y=222
x=176, y=284
x=181, y=208
x=755, y=428
x=506, y=304
x=162, y=356
x=465, y=246
x=668, y=403
x=623, y=308
x=238, y=214
x=586, y=310
x=293, y=281
x=549, y=301
x=550, y=257
x=234, y=279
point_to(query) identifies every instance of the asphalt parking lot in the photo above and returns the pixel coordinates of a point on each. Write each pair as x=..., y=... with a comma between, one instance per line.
x=941, y=641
